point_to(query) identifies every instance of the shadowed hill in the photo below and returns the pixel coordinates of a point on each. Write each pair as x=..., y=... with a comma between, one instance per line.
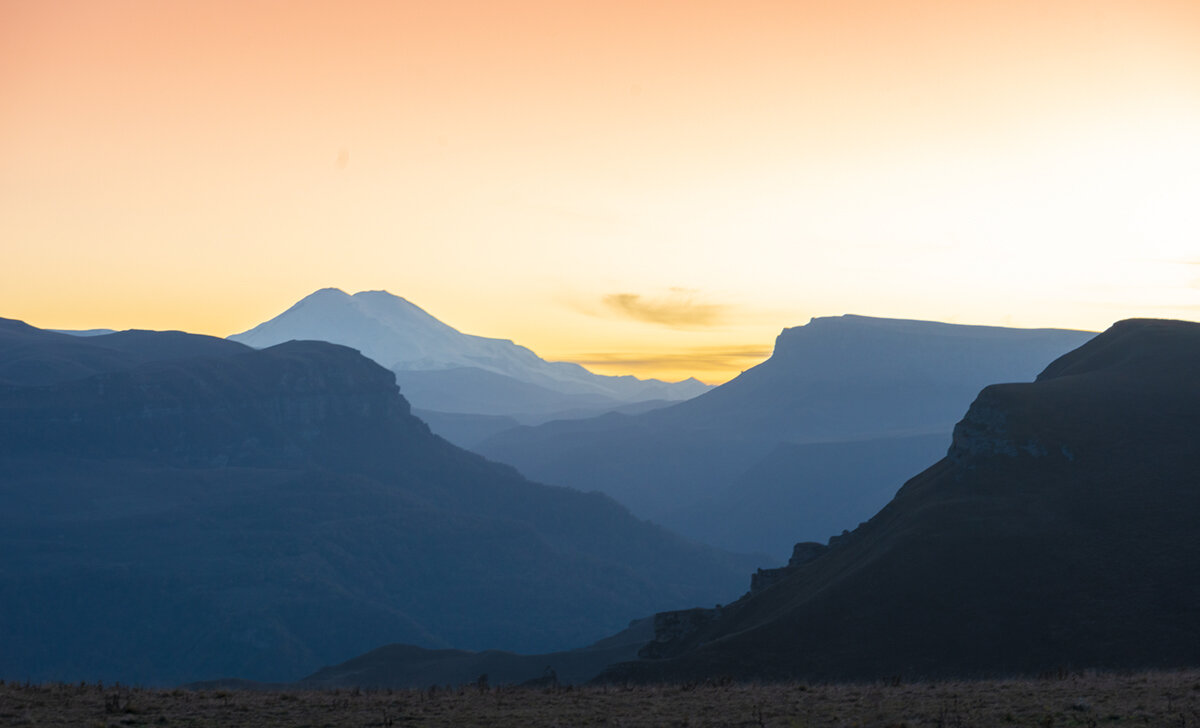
x=1059, y=532
x=264, y=513
x=405, y=666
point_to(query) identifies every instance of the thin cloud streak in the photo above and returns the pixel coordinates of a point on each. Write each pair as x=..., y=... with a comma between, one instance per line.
x=707, y=358
x=677, y=310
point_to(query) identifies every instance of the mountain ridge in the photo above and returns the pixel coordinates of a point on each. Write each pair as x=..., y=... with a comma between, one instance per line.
x=264, y=512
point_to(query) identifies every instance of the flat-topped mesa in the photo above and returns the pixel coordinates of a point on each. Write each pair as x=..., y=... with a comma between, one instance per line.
x=850, y=346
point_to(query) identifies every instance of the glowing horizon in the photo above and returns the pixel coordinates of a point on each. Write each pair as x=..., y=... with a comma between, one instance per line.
x=647, y=188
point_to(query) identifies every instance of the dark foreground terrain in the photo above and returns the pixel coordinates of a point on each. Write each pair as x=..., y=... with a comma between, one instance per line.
x=1060, y=699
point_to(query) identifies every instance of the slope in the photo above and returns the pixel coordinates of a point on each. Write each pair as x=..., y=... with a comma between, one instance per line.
x=1058, y=533
x=268, y=512
x=405, y=666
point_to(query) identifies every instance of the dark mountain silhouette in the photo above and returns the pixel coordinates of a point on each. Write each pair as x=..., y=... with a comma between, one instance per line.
x=1059, y=532
x=443, y=370
x=849, y=405
x=180, y=507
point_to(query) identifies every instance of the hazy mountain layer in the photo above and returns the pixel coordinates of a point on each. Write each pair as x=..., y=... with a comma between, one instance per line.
x=809, y=491
x=224, y=511
x=1058, y=534
x=713, y=468
x=442, y=369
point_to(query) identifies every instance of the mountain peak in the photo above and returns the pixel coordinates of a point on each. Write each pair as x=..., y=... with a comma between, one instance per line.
x=381, y=293
x=330, y=292
x=405, y=338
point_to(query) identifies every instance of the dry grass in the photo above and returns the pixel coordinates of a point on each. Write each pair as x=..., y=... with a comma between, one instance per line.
x=1154, y=699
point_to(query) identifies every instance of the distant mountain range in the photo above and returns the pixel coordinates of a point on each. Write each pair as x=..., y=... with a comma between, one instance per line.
x=445, y=371
x=802, y=446
x=1058, y=534
x=180, y=507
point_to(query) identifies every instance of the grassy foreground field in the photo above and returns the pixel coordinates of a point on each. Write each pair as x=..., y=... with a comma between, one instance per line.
x=1155, y=699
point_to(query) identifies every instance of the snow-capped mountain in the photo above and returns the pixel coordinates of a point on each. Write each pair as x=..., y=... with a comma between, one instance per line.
x=440, y=368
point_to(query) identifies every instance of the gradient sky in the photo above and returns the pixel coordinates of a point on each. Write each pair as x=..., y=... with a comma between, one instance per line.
x=645, y=187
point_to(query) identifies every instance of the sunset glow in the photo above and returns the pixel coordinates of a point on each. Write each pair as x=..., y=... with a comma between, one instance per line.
x=653, y=188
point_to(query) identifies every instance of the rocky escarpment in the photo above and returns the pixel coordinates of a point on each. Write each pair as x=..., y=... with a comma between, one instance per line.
x=986, y=432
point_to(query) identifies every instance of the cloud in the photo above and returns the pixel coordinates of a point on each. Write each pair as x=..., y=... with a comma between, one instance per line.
x=704, y=358
x=678, y=309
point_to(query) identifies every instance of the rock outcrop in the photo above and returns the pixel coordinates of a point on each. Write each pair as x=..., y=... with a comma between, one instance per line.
x=802, y=553
x=672, y=628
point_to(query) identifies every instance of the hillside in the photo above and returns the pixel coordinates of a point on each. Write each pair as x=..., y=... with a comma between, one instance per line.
x=264, y=513
x=406, y=666
x=1057, y=534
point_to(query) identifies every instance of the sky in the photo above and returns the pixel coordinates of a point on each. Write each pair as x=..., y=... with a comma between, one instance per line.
x=655, y=188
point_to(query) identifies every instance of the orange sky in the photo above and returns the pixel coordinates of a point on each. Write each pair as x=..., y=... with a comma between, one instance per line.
x=646, y=187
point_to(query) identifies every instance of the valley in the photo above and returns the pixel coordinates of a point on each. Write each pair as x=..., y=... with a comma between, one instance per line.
x=516, y=362
x=284, y=507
